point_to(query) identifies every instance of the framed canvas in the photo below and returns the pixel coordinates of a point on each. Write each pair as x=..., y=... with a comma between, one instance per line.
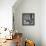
x=28, y=18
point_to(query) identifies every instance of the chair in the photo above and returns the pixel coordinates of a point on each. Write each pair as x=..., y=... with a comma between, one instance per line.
x=29, y=43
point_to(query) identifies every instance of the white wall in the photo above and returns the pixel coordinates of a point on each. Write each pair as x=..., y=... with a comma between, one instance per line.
x=6, y=13
x=31, y=32
x=43, y=22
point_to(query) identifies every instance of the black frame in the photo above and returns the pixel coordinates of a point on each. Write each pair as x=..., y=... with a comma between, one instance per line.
x=28, y=19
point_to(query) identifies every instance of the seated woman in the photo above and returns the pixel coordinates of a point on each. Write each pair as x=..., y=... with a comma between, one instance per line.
x=18, y=39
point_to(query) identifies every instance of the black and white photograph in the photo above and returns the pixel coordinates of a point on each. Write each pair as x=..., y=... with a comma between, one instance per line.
x=28, y=18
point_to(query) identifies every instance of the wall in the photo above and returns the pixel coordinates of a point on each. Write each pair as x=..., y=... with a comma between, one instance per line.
x=29, y=32
x=6, y=13
x=43, y=22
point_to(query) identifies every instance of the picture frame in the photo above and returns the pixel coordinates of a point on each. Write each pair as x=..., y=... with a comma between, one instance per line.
x=28, y=19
